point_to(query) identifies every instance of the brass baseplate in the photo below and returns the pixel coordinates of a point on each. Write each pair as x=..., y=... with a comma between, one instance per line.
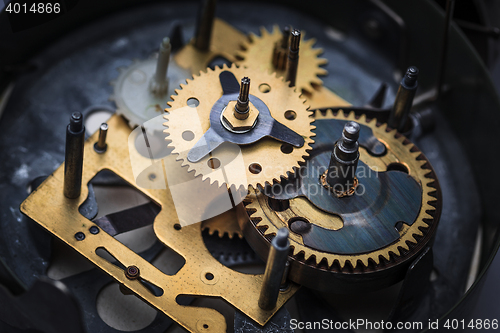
x=224, y=42
x=201, y=276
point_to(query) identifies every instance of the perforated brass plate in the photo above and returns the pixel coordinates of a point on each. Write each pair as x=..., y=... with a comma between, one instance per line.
x=202, y=275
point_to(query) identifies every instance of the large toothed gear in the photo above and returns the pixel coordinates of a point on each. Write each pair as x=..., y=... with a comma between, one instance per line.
x=263, y=217
x=191, y=115
x=257, y=54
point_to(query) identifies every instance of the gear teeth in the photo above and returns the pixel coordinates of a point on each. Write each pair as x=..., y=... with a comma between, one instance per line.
x=384, y=127
x=409, y=238
x=371, y=121
x=318, y=52
x=178, y=101
x=362, y=262
x=405, y=247
x=252, y=37
x=240, y=55
x=320, y=72
x=251, y=55
x=317, y=82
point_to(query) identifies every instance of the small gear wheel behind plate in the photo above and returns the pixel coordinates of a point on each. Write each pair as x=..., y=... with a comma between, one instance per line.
x=362, y=243
x=223, y=224
x=257, y=54
x=240, y=159
x=132, y=90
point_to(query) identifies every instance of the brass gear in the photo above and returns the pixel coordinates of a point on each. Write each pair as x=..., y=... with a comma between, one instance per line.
x=223, y=224
x=267, y=221
x=257, y=54
x=267, y=153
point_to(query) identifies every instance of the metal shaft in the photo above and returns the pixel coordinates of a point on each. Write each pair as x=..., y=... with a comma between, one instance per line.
x=176, y=40
x=280, y=52
x=73, y=162
x=404, y=100
x=241, y=109
x=275, y=268
x=344, y=159
x=450, y=7
x=101, y=145
x=204, y=25
x=159, y=82
x=293, y=58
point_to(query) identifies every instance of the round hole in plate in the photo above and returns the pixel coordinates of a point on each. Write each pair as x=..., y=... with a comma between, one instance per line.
x=278, y=205
x=205, y=326
x=209, y=276
x=177, y=226
x=290, y=115
x=264, y=88
x=399, y=226
x=286, y=148
x=213, y=163
x=397, y=167
x=255, y=168
x=299, y=225
x=188, y=135
x=193, y=102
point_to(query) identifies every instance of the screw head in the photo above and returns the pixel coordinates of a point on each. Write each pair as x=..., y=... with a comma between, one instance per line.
x=80, y=236
x=132, y=272
x=94, y=230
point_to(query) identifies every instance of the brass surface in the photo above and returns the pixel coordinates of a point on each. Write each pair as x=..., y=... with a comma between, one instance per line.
x=399, y=150
x=59, y=215
x=266, y=152
x=225, y=41
x=323, y=98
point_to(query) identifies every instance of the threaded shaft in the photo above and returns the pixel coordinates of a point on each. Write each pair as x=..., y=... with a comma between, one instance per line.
x=344, y=159
x=241, y=109
x=411, y=76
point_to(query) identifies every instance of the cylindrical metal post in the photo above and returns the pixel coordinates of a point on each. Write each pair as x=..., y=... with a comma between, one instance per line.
x=73, y=162
x=204, y=25
x=404, y=100
x=450, y=8
x=159, y=82
x=275, y=268
x=293, y=58
x=280, y=51
x=344, y=159
x=100, y=146
x=241, y=109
